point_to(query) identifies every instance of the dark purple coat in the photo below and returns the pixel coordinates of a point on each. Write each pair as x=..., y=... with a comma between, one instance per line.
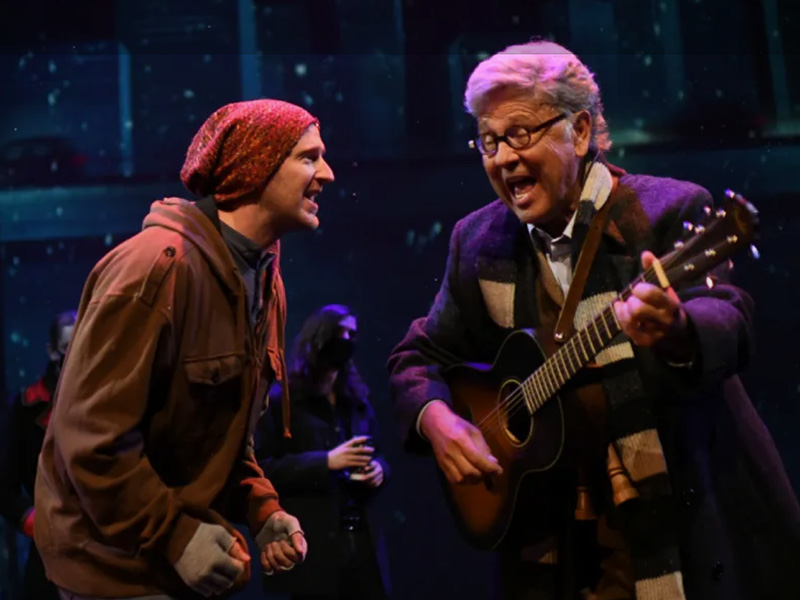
x=309, y=490
x=738, y=516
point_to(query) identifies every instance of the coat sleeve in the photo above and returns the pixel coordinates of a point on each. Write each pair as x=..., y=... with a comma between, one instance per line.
x=291, y=472
x=14, y=502
x=253, y=491
x=720, y=317
x=431, y=342
x=100, y=405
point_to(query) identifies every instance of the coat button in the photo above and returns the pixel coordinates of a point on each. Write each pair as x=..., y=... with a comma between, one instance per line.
x=717, y=570
x=169, y=251
x=688, y=496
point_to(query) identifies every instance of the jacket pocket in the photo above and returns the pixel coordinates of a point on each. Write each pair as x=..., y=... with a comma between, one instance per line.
x=213, y=371
x=216, y=386
x=204, y=418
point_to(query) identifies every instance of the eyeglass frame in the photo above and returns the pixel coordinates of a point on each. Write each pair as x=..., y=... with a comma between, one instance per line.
x=476, y=144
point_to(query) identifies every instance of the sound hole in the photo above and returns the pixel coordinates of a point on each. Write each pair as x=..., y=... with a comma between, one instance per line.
x=518, y=421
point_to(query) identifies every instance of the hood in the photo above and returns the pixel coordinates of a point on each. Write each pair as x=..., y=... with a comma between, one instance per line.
x=186, y=219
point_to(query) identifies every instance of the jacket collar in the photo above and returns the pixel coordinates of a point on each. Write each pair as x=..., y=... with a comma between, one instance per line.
x=198, y=222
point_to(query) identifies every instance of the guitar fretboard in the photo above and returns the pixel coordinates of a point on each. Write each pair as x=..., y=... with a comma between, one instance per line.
x=570, y=358
x=578, y=351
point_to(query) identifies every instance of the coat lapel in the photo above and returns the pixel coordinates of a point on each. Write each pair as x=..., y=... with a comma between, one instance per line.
x=507, y=271
x=627, y=233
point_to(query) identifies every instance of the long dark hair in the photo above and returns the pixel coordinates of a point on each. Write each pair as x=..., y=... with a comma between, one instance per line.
x=305, y=368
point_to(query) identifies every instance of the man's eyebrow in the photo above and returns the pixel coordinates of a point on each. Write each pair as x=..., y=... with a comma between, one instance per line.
x=314, y=150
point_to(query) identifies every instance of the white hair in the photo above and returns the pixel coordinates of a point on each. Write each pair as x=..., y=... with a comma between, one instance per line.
x=550, y=73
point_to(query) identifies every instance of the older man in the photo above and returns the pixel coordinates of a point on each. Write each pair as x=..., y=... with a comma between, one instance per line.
x=714, y=515
x=180, y=332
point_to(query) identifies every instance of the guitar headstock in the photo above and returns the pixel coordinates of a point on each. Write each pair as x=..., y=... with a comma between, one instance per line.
x=727, y=230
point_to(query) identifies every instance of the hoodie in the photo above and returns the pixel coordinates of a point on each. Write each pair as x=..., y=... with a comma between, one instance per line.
x=151, y=432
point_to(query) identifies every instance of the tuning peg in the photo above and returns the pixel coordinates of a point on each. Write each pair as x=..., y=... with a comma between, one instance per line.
x=707, y=209
x=698, y=229
x=754, y=252
x=721, y=213
x=687, y=225
x=709, y=282
x=678, y=245
x=730, y=194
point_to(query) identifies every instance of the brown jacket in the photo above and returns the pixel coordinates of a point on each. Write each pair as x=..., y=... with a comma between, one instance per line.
x=153, y=418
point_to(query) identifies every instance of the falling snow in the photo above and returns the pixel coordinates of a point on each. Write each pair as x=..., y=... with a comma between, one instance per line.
x=100, y=128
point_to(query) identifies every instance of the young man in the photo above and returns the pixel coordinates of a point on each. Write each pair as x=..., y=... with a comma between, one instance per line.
x=714, y=516
x=179, y=335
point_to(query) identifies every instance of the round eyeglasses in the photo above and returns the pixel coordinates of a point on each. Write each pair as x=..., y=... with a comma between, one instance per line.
x=517, y=137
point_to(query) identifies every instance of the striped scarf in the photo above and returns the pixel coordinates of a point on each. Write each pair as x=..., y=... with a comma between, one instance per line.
x=648, y=522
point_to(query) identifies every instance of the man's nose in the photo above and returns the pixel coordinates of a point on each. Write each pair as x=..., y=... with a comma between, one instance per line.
x=325, y=173
x=506, y=155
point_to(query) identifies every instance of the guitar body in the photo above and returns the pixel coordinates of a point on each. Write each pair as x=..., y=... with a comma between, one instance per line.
x=522, y=443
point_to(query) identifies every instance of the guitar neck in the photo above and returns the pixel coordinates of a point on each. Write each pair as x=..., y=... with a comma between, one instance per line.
x=732, y=227
x=578, y=351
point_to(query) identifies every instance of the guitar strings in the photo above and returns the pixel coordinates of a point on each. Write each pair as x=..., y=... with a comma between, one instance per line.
x=516, y=399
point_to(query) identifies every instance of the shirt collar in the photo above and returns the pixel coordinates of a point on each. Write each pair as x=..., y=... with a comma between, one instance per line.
x=550, y=242
x=245, y=249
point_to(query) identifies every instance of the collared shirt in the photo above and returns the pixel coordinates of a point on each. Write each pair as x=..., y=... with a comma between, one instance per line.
x=557, y=251
x=251, y=260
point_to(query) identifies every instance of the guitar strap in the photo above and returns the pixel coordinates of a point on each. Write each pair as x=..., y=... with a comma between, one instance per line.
x=565, y=326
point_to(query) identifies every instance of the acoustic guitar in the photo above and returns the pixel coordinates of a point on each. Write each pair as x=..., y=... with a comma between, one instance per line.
x=516, y=401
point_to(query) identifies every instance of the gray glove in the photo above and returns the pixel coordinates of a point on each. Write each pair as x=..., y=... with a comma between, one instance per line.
x=278, y=543
x=206, y=565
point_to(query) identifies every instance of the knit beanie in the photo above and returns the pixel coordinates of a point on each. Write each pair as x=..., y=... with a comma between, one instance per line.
x=241, y=146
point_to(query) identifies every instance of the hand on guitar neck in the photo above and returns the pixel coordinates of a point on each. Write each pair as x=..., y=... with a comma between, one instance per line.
x=652, y=316
x=459, y=447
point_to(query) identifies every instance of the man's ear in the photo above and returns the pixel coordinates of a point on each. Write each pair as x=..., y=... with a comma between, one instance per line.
x=582, y=132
